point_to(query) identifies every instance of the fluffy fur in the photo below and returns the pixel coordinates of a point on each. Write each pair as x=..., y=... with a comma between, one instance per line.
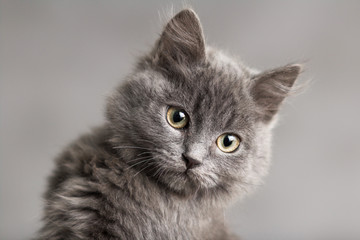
x=127, y=179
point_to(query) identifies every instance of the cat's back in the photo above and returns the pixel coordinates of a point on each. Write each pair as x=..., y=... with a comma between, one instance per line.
x=82, y=188
x=79, y=157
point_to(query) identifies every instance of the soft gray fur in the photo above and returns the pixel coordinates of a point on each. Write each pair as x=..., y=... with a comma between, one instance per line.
x=127, y=179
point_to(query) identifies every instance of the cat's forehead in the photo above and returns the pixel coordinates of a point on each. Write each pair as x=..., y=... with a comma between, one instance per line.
x=220, y=62
x=216, y=95
x=219, y=107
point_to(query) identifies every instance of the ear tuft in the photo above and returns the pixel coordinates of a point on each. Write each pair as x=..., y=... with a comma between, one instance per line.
x=270, y=88
x=181, y=41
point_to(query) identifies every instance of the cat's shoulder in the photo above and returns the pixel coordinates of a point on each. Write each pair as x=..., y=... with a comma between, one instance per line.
x=90, y=148
x=87, y=157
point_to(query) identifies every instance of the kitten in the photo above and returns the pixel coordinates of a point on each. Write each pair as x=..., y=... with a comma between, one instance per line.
x=188, y=131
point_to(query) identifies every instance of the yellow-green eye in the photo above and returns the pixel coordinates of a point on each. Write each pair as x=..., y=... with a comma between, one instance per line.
x=177, y=118
x=228, y=142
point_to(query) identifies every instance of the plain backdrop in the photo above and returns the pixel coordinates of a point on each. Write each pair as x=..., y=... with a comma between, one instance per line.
x=60, y=59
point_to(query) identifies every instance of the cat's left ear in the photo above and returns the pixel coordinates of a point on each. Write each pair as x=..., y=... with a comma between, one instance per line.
x=270, y=88
x=181, y=42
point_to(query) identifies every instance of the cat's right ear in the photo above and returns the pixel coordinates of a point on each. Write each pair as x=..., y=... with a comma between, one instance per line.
x=181, y=42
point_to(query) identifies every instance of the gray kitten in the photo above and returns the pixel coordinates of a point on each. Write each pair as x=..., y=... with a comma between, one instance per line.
x=187, y=132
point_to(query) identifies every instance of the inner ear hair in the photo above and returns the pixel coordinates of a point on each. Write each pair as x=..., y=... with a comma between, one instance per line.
x=181, y=42
x=271, y=87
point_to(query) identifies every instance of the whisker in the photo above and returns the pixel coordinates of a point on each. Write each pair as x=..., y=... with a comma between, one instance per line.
x=142, y=161
x=148, y=141
x=164, y=172
x=153, y=166
x=157, y=171
x=131, y=147
x=144, y=153
x=141, y=170
x=136, y=159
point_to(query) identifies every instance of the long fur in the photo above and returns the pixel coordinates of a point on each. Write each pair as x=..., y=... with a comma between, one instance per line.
x=127, y=179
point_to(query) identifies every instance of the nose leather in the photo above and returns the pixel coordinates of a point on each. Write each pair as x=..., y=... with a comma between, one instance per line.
x=190, y=162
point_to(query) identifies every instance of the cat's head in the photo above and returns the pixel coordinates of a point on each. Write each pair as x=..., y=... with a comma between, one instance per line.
x=193, y=119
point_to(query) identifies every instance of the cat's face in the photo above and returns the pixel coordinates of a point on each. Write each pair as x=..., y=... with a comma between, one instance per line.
x=194, y=120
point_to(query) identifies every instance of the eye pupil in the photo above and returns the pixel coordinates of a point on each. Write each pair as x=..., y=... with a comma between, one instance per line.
x=178, y=116
x=228, y=143
x=228, y=140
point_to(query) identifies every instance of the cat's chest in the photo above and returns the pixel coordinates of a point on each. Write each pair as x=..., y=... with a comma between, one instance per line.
x=163, y=218
x=180, y=219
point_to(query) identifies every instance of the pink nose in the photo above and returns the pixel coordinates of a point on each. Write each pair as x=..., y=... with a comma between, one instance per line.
x=190, y=162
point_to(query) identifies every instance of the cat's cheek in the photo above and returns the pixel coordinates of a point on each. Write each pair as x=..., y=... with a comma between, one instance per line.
x=173, y=138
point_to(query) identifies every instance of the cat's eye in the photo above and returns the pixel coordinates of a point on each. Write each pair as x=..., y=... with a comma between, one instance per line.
x=228, y=142
x=177, y=118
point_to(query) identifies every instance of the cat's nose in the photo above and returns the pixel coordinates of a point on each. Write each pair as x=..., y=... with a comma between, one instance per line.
x=190, y=162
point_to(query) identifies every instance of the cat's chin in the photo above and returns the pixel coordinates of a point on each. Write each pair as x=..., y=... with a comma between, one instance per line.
x=200, y=180
x=187, y=183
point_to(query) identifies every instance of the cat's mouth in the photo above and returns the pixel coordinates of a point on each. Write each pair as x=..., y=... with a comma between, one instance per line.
x=191, y=175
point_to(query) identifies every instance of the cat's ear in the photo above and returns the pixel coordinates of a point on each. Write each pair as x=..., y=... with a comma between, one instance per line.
x=181, y=42
x=270, y=88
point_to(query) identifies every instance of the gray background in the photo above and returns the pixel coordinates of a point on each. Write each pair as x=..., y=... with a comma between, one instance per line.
x=59, y=59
